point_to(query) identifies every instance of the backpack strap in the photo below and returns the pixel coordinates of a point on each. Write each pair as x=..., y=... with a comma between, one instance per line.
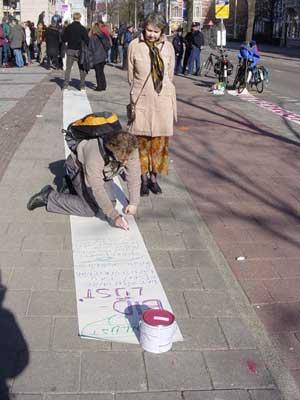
x=102, y=150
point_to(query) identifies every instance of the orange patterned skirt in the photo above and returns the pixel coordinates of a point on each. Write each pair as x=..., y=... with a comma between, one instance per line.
x=154, y=154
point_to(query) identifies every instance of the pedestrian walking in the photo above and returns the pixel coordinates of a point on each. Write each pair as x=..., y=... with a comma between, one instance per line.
x=187, y=52
x=27, y=42
x=128, y=37
x=52, y=38
x=32, y=47
x=88, y=173
x=2, y=37
x=197, y=43
x=151, y=61
x=73, y=35
x=41, y=43
x=98, y=46
x=179, y=49
x=63, y=47
x=6, y=48
x=121, y=32
x=104, y=29
x=17, y=39
x=114, y=48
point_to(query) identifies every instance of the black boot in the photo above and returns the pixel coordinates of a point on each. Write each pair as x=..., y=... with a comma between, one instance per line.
x=144, y=186
x=39, y=199
x=153, y=185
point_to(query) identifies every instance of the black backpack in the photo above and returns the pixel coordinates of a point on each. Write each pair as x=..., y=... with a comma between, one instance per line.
x=92, y=126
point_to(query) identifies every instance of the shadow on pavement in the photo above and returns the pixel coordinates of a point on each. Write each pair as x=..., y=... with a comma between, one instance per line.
x=218, y=169
x=57, y=168
x=134, y=315
x=14, y=353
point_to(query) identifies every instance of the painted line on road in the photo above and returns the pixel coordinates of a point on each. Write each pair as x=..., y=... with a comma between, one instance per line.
x=115, y=278
x=289, y=115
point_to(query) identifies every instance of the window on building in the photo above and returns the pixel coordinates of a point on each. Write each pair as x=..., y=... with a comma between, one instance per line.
x=175, y=12
x=197, y=11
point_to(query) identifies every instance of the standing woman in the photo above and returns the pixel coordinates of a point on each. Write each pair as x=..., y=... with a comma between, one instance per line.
x=52, y=38
x=151, y=62
x=98, y=47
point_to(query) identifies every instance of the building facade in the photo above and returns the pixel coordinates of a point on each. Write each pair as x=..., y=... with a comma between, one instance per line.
x=278, y=21
x=27, y=10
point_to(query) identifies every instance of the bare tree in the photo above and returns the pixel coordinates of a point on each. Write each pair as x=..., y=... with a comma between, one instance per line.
x=251, y=17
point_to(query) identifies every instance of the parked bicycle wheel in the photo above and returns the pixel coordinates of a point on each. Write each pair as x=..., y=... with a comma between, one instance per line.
x=208, y=65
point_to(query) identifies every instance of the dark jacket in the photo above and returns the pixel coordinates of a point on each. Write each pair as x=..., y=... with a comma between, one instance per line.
x=197, y=39
x=52, y=40
x=178, y=45
x=98, y=48
x=74, y=34
x=16, y=37
x=84, y=57
x=188, y=40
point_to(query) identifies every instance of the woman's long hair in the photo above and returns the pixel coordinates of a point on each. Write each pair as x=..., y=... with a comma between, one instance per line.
x=95, y=30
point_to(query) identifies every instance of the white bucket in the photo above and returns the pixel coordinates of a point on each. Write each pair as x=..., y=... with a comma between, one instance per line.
x=157, y=329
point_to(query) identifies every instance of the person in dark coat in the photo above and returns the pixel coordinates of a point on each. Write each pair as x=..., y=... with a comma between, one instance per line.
x=178, y=48
x=188, y=49
x=74, y=35
x=197, y=43
x=128, y=37
x=52, y=43
x=98, y=46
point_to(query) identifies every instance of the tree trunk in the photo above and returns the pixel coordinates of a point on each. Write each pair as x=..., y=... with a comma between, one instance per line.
x=251, y=17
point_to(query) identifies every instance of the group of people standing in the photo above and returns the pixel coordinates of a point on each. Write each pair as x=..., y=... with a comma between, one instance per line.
x=188, y=50
x=22, y=43
x=142, y=149
x=16, y=43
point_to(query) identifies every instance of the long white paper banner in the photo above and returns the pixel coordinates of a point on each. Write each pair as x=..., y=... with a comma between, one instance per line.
x=114, y=275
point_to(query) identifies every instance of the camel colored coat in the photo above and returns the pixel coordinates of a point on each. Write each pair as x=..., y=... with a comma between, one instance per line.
x=155, y=113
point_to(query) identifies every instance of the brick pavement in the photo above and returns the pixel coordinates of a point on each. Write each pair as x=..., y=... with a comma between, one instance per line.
x=222, y=357
x=243, y=178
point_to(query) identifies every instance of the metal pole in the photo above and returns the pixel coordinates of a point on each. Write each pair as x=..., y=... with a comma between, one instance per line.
x=135, y=14
x=235, y=17
x=222, y=28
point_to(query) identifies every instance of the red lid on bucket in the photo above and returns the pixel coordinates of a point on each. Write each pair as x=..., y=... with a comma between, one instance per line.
x=158, y=317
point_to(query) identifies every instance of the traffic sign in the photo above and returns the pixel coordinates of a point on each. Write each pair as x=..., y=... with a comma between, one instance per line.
x=222, y=9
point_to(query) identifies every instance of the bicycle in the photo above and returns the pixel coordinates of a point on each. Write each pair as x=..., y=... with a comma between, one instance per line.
x=221, y=65
x=247, y=75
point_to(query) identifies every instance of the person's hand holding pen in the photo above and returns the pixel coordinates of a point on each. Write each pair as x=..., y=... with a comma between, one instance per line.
x=121, y=222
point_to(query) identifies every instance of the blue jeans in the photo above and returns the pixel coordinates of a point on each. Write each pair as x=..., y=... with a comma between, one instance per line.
x=18, y=58
x=121, y=54
x=178, y=65
x=194, y=59
x=109, y=55
x=6, y=53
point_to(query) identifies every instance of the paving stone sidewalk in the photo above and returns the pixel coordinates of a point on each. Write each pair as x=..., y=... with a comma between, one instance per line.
x=226, y=354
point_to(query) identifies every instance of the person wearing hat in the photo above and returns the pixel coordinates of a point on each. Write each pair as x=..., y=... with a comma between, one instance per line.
x=197, y=41
x=178, y=48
